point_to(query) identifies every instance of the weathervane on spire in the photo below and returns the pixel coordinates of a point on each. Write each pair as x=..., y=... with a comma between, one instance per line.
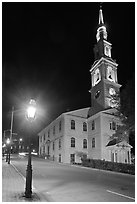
x=101, y=15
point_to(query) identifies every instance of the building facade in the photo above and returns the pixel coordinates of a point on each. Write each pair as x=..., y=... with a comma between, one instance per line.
x=89, y=130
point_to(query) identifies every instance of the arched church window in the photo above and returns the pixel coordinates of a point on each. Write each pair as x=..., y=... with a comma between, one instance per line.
x=73, y=124
x=96, y=77
x=84, y=126
x=59, y=125
x=110, y=74
x=85, y=144
x=59, y=143
x=93, y=125
x=72, y=142
x=107, y=51
x=93, y=142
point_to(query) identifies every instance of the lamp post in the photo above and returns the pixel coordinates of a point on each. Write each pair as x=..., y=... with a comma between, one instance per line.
x=3, y=149
x=20, y=145
x=8, y=151
x=31, y=113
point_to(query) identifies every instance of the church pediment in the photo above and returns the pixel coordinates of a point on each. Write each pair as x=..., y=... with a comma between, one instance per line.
x=114, y=144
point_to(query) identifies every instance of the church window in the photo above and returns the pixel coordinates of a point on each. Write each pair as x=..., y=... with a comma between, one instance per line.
x=59, y=157
x=93, y=125
x=60, y=126
x=84, y=126
x=113, y=125
x=59, y=143
x=72, y=142
x=112, y=157
x=110, y=74
x=73, y=124
x=49, y=133
x=44, y=150
x=116, y=157
x=54, y=130
x=93, y=142
x=107, y=51
x=97, y=77
x=85, y=144
x=72, y=158
x=44, y=136
x=53, y=145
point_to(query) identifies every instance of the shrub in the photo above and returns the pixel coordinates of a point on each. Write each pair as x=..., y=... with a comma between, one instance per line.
x=111, y=166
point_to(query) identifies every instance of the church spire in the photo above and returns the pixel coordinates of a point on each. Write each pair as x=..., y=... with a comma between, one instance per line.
x=101, y=31
x=101, y=16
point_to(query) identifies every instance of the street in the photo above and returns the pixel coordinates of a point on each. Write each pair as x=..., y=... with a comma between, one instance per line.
x=67, y=183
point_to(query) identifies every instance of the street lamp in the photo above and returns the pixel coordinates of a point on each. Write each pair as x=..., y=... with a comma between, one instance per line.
x=20, y=144
x=8, y=151
x=31, y=113
x=3, y=149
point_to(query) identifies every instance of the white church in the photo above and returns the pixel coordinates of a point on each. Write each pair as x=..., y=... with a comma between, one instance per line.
x=88, y=130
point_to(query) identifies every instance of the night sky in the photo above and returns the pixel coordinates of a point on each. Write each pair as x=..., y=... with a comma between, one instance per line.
x=47, y=52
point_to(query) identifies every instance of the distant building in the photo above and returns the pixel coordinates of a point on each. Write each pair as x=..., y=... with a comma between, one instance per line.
x=88, y=130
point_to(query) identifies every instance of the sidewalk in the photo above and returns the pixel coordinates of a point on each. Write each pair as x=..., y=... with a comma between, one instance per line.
x=13, y=185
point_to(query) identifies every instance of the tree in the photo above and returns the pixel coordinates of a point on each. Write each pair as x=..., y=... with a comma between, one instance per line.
x=81, y=154
x=126, y=114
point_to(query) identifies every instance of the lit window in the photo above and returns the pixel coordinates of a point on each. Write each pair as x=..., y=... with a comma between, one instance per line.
x=84, y=126
x=72, y=124
x=96, y=77
x=72, y=142
x=85, y=144
x=110, y=73
x=93, y=125
x=93, y=142
x=107, y=51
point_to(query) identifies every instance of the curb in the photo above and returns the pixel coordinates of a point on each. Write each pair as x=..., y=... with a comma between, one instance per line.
x=36, y=196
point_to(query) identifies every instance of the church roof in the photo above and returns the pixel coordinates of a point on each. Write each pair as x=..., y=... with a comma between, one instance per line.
x=79, y=113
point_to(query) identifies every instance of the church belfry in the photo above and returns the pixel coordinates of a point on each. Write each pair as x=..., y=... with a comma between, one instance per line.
x=104, y=83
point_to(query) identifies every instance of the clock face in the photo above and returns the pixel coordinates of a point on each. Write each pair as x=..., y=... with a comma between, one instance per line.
x=112, y=91
x=97, y=94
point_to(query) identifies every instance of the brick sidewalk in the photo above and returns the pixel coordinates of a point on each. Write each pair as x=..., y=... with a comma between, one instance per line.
x=13, y=185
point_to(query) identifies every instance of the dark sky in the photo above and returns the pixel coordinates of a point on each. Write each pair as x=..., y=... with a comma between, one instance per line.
x=47, y=52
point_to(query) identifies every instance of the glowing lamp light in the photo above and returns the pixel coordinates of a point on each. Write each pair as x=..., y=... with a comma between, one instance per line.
x=8, y=141
x=31, y=111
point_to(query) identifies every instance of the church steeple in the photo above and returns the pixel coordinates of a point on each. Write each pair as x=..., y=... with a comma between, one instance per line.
x=104, y=83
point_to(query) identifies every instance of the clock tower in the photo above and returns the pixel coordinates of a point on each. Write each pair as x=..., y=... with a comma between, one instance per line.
x=104, y=82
